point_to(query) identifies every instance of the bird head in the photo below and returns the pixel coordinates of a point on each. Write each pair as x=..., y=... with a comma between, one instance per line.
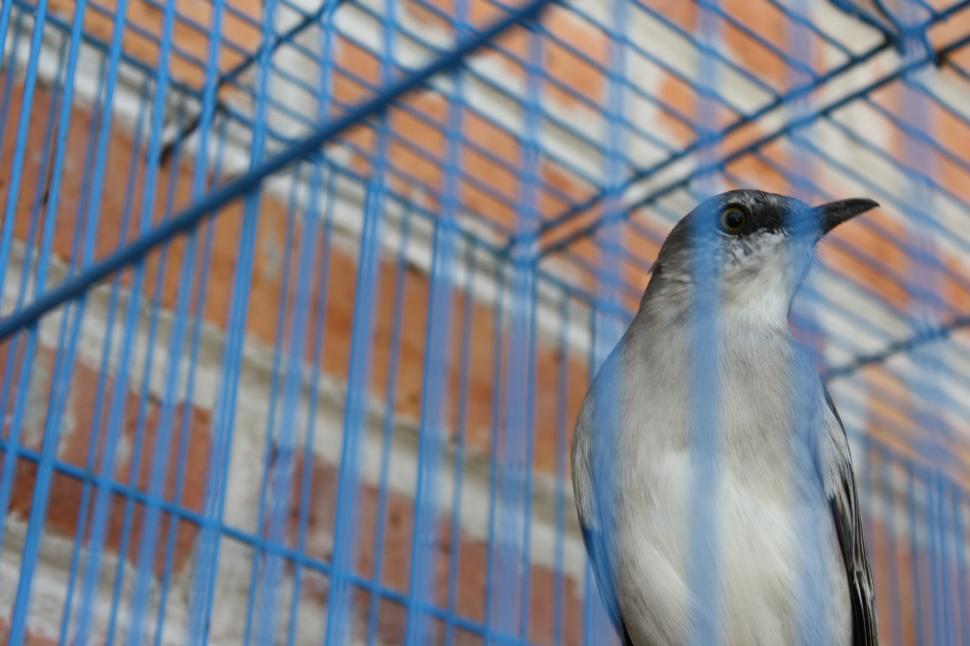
x=756, y=247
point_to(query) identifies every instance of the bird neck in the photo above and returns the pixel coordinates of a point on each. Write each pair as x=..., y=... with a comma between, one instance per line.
x=673, y=303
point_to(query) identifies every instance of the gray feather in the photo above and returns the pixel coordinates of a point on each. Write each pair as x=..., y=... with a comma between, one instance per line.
x=844, y=504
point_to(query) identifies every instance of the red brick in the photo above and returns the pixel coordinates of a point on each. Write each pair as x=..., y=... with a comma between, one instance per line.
x=955, y=135
x=66, y=491
x=472, y=573
x=194, y=42
x=769, y=24
x=31, y=637
x=755, y=172
x=875, y=245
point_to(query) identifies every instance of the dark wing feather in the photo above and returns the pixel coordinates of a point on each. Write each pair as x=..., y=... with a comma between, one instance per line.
x=596, y=549
x=844, y=504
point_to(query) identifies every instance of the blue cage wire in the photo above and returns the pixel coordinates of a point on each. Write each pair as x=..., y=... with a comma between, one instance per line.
x=299, y=296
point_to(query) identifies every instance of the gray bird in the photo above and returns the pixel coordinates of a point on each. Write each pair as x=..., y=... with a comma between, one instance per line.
x=783, y=471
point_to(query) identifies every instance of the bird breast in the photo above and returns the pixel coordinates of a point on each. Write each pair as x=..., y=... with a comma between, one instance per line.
x=756, y=533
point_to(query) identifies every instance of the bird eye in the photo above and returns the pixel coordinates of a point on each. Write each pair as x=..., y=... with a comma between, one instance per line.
x=732, y=219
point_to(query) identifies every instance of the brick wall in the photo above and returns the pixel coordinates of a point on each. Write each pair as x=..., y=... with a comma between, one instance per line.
x=493, y=155
x=82, y=425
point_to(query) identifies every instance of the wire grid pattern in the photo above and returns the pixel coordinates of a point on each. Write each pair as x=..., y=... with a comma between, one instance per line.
x=548, y=220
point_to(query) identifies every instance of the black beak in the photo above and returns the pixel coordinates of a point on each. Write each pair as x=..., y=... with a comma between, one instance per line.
x=833, y=214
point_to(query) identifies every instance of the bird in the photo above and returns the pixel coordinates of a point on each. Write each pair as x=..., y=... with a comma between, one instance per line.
x=782, y=455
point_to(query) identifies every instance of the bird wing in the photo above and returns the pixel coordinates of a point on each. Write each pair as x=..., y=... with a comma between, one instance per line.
x=588, y=462
x=596, y=548
x=841, y=491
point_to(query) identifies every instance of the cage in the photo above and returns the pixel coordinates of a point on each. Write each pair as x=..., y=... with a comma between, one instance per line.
x=308, y=371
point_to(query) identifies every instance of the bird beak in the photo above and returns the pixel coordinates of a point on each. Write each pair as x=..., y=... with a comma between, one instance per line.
x=833, y=214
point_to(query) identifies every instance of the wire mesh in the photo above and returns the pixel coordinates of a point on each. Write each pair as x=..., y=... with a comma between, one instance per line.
x=300, y=298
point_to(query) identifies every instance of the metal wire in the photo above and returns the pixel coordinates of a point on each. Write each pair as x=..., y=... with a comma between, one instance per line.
x=468, y=200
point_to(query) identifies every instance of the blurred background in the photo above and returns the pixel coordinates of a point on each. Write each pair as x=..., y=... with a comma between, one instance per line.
x=300, y=297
